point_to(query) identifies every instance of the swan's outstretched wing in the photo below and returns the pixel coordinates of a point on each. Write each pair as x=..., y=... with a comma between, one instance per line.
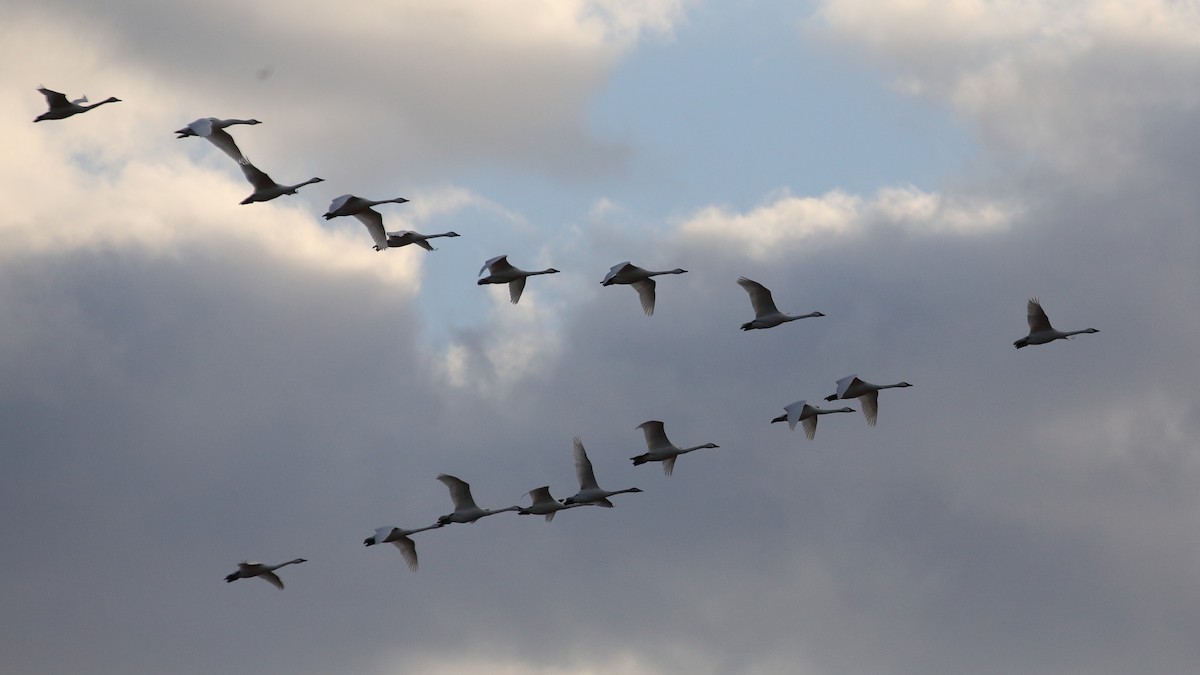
x=205, y=128
x=645, y=291
x=656, y=435
x=541, y=495
x=273, y=579
x=615, y=270
x=515, y=288
x=260, y=180
x=408, y=551
x=583, y=467
x=810, y=426
x=1036, y=316
x=844, y=385
x=760, y=297
x=374, y=222
x=495, y=265
x=338, y=202
x=870, y=406
x=54, y=99
x=793, y=413
x=460, y=492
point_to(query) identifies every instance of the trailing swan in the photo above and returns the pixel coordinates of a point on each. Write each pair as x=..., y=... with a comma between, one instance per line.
x=766, y=315
x=659, y=449
x=640, y=279
x=61, y=108
x=213, y=130
x=1040, y=330
x=501, y=272
x=400, y=538
x=866, y=393
x=465, y=510
x=247, y=569
x=801, y=411
x=589, y=491
x=266, y=189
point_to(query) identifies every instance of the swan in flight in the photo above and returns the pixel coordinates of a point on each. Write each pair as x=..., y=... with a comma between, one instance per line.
x=801, y=411
x=589, y=491
x=659, y=449
x=61, y=108
x=213, y=129
x=501, y=272
x=406, y=237
x=399, y=537
x=348, y=205
x=866, y=393
x=544, y=505
x=266, y=189
x=766, y=315
x=465, y=510
x=247, y=569
x=640, y=279
x=1040, y=330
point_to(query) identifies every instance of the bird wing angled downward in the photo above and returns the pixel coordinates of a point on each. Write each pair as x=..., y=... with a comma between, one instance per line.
x=515, y=288
x=645, y=291
x=1036, y=316
x=408, y=551
x=810, y=426
x=374, y=222
x=273, y=579
x=583, y=466
x=870, y=406
x=760, y=297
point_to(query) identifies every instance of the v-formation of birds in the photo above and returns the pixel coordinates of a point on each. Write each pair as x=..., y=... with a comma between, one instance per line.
x=500, y=271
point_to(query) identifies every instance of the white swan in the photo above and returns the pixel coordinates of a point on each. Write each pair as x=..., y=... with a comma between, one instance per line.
x=659, y=449
x=399, y=537
x=501, y=272
x=406, y=237
x=640, y=279
x=266, y=189
x=801, y=411
x=866, y=393
x=544, y=505
x=589, y=491
x=247, y=569
x=1040, y=330
x=766, y=315
x=465, y=510
x=61, y=108
x=348, y=205
x=213, y=130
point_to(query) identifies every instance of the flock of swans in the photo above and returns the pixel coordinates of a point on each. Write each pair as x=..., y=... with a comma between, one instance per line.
x=499, y=271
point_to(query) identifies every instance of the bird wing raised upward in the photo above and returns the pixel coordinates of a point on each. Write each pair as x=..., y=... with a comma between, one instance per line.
x=339, y=202
x=54, y=99
x=257, y=178
x=382, y=533
x=656, y=435
x=645, y=291
x=614, y=270
x=760, y=297
x=541, y=495
x=1036, y=316
x=497, y=264
x=374, y=222
x=793, y=413
x=460, y=492
x=844, y=384
x=583, y=467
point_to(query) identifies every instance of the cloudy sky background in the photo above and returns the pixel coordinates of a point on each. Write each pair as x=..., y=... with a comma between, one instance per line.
x=188, y=382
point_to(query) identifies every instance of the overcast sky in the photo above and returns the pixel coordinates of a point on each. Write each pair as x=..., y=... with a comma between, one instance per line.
x=186, y=382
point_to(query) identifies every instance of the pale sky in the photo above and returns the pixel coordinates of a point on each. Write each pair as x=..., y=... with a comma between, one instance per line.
x=188, y=382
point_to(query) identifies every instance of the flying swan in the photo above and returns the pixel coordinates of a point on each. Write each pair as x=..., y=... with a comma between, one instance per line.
x=501, y=272
x=866, y=393
x=247, y=569
x=399, y=538
x=766, y=315
x=640, y=279
x=1040, y=330
x=61, y=108
x=659, y=449
x=589, y=491
x=801, y=411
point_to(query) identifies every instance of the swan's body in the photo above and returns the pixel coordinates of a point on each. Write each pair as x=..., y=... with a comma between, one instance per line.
x=544, y=505
x=348, y=205
x=1040, y=330
x=465, y=510
x=766, y=315
x=266, y=189
x=640, y=279
x=801, y=411
x=61, y=108
x=501, y=272
x=589, y=491
x=659, y=449
x=247, y=569
x=213, y=130
x=399, y=537
x=866, y=393
x=406, y=237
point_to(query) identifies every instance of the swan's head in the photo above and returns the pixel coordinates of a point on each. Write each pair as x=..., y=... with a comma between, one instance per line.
x=300, y=560
x=635, y=489
x=816, y=314
x=903, y=384
x=847, y=409
x=1090, y=330
x=710, y=445
x=678, y=270
x=253, y=122
x=551, y=270
x=450, y=234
